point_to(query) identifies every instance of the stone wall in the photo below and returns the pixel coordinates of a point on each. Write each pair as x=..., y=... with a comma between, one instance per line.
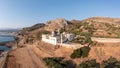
x=73, y=46
x=106, y=40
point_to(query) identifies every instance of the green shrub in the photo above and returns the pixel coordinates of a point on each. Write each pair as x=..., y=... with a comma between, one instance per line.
x=81, y=52
x=85, y=51
x=62, y=30
x=79, y=40
x=88, y=40
x=111, y=63
x=83, y=40
x=55, y=62
x=58, y=66
x=89, y=64
x=76, y=54
x=85, y=34
x=46, y=32
x=29, y=40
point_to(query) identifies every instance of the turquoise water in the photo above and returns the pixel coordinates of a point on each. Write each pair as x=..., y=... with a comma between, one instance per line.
x=5, y=48
x=5, y=39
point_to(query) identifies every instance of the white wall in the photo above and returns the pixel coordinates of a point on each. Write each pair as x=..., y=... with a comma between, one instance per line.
x=49, y=39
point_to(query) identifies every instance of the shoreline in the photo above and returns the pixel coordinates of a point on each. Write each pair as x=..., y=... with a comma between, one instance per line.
x=3, y=57
x=9, y=44
x=4, y=53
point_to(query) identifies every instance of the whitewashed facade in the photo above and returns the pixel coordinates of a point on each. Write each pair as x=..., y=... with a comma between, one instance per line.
x=49, y=39
x=56, y=38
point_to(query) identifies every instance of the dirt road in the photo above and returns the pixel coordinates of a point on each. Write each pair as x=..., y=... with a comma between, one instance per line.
x=24, y=58
x=106, y=40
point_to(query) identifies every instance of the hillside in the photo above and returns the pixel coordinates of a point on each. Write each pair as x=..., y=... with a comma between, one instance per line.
x=114, y=21
x=32, y=28
x=30, y=45
x=95, y=26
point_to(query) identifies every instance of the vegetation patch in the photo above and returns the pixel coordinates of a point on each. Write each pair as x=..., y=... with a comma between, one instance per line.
x=81, y=52
x=59, y=62
x=55, y=62
x=83, y=40
x=89, y=64
x=34, y=27
x=111, y=63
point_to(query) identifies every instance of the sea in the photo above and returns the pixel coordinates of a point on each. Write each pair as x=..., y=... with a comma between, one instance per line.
x=5, y=39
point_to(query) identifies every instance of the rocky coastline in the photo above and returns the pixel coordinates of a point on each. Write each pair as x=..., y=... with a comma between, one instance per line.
x=8, y=44
x=4, y=53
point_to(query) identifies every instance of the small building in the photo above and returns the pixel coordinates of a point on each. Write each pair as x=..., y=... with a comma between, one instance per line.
x=56, y=38
x=49, y=39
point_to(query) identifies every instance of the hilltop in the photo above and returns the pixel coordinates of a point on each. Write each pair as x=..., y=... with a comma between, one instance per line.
x=94, y=26
x=98, y=27
x=61, y=23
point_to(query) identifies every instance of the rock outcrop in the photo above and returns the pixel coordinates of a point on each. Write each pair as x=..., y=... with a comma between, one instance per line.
x=58, y=23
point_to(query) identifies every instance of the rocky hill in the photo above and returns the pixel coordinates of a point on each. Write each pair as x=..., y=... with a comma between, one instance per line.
x=105, y=26
x=114, y=21
x=58, y=23
x=34, y=27
x=103, y=22
x=97, y=26
x=94, y=26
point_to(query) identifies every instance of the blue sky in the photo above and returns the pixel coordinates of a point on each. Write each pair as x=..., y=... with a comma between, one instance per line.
x=23, y=13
